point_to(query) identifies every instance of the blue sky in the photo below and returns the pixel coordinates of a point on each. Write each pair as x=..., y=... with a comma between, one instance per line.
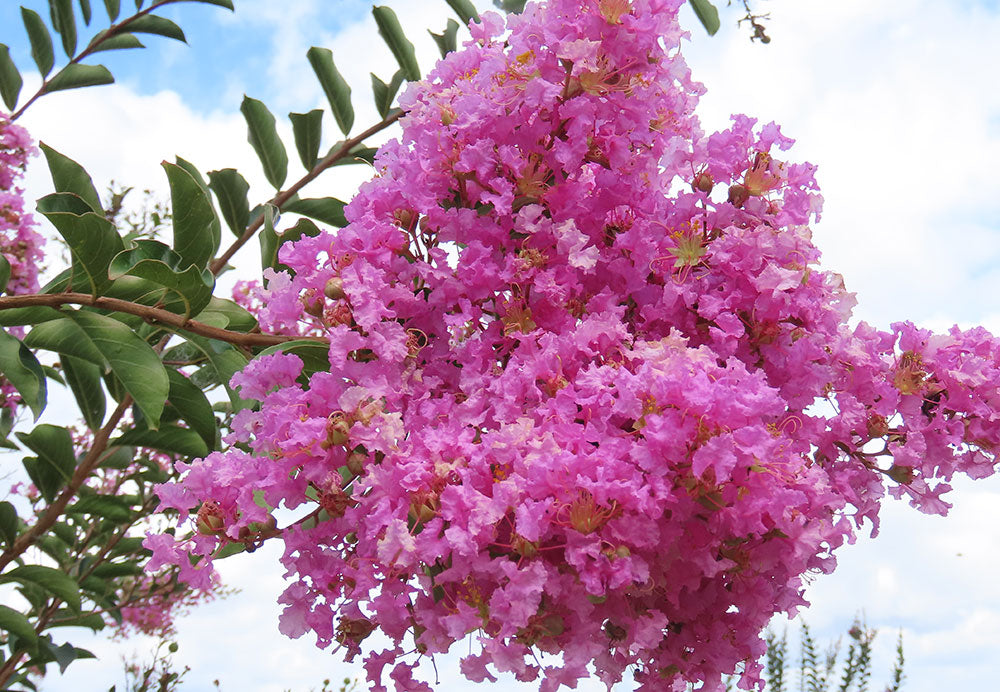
x=893, y=100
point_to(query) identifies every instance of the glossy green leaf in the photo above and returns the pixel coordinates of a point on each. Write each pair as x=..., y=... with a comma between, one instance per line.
x=170, y=439
x=77, y=76
x=54, y=446
x=222, y=361
x=132, y=360
x=23, y=370
x=4, y=273
x=16, y=623
x=64, y=22
x=337, y=91
x=123, y=41
x=64, y=336
x=65, y=618
x=8, y=522
x=17, y=317
x=447, y=40
x=69, y=176
x=154, y=261
x=113, y=7
x=228, y=314
x=707, y=14
x=116, y=509
x=193, y=406
x=231, y=190
x=308, y=130
x=52, y=580
x=386, y=93
x=195, y=237
x=263, y=137
x=465, y=10
x=10, y=79
x=41, y=41
x=328, y=210
x=511, y=6
x=85, y=11
x=92, y=239
x=392, y=33
x=84, y=380
x=154, y=24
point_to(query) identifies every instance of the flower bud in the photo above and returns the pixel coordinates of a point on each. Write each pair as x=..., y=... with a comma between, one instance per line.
x=738, y=194
x=334, y=289
x=703, y=182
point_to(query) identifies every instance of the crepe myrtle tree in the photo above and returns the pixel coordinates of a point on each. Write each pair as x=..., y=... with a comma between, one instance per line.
x=546, y=383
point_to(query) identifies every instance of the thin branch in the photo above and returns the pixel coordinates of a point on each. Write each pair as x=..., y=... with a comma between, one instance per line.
x=151, y=315
x=283, y=197
x=91, y=48
x=80, y=475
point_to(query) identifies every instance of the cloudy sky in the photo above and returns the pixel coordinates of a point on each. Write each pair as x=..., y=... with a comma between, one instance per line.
x=896, y=103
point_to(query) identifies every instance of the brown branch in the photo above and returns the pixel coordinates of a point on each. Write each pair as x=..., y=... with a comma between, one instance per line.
x=151, y=315
x=284, y=196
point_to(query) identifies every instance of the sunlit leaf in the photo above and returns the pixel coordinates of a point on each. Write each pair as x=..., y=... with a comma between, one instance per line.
x=195, y=237
x=263, y=137
x=92, y=239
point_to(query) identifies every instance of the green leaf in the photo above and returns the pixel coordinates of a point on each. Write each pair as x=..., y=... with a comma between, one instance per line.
x=64, y=336
x=132, y=361
x=386, y=93
x=154, y=261
x=77, y=76
x=228, y=314
x=69, y=176
x=263, y=137
x=337, y=91
x=52, y=580
x=308, y=129
x=170, y=439
x=4, y=273
x=465, y=10
x=13, y=621
x=114, y=570
x=64, y=23
x=707, y=14
x=392, y=33
x=54, y=446
x=84, y=379
x=64, y=618
x=228, y=4
x=121, y=41
x=231, y=190
x=10, y=79
x=447, y=40
x=193, y=406
x=511, y=6
x=154, y=24
x=23, y=370
x=41, y=41
x=113, y=7
x=315, y=356
x=223, y=361
x=268, y=238
x=328, y=210
x=92, y=239
x=85, y=11
x=64, y=654
x=195, y=239
x=116, y=509
x=8, y=522
x=118, y=458
x=17, y=317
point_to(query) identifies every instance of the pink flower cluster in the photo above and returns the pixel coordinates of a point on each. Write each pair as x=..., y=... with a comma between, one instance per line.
x=19, y=242
x=589, y=394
